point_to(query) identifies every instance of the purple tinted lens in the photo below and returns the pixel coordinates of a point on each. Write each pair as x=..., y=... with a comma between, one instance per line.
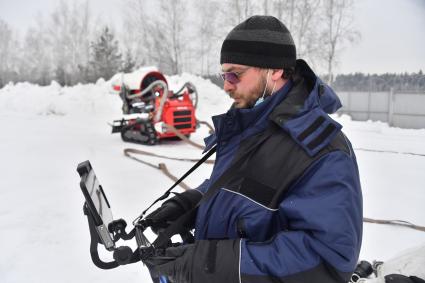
x=230, y=77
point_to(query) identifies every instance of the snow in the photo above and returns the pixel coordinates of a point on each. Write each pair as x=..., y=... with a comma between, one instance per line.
x=134, y=79
x=47, y=131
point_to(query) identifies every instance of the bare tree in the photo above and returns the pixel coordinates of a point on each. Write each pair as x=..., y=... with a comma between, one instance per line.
x=285, y=11
x=166, y=36
x=237, y=11
x=82, y=33
x=70, y=30
x=278, y=8
x=306, y=30
x=5, y=50
x=175, y=25
x=266, y=7
x=9, y=54
x=135, y=30
x=209, y=36
x=148, y=35
x=337, y=31
x=35, y=65
x=291, y=9
x=58, y=30
x=55, y=49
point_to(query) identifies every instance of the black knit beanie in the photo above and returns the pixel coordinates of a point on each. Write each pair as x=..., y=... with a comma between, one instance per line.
x=259, y=41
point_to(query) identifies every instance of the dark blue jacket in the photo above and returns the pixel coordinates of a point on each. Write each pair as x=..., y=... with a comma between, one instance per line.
x=288, y=206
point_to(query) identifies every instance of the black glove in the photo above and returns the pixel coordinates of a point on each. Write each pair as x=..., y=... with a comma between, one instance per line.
x=205, y=261
x=180, y=269
x=172, y=209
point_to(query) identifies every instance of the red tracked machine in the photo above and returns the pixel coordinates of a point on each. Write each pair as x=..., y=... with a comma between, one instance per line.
x=149, y=106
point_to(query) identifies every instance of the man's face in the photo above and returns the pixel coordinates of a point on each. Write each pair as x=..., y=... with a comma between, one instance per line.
x=250, y=85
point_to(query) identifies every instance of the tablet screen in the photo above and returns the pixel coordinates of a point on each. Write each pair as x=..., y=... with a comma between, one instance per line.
x=98, y=198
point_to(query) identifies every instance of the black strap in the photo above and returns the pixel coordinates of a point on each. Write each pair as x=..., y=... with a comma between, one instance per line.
x=167, y=193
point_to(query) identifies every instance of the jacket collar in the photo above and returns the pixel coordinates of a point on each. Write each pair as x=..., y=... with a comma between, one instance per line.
x=304, y=112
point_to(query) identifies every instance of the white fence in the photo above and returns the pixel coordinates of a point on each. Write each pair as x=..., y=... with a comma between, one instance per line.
x=404, y=110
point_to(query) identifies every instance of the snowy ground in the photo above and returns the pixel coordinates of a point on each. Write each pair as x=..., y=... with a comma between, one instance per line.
x=47, y=131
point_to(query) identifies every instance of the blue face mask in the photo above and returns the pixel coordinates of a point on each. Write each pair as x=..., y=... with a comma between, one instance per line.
x=261, y=99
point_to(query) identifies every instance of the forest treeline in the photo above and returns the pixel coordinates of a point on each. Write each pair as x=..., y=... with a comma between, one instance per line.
x=408, y=82
x=72, y=45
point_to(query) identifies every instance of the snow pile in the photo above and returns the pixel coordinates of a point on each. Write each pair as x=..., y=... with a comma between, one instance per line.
x=47, y=131
x=133, y=79
x=29, y=100
x=386, y=138
x=98, y=99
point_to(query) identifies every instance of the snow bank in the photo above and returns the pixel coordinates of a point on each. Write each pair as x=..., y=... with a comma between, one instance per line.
x=32, y=100
x=98, y=99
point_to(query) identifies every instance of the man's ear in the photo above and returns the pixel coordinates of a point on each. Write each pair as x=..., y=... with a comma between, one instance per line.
x=277, y=74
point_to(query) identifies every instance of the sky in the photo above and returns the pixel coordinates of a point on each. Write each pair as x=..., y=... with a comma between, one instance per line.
x=392, y=37
x=392, y=31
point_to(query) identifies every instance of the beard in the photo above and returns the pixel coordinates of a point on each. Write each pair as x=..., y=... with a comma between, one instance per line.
x=248, y=98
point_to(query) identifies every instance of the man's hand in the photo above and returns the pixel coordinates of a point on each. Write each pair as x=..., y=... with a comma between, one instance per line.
x=205, y=261
x=180, y=269
x=172, y=209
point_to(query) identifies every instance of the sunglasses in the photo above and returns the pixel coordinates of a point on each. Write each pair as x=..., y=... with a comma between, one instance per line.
x=232, y=77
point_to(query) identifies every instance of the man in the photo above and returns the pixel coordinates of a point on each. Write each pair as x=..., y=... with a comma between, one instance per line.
x=286, y=203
